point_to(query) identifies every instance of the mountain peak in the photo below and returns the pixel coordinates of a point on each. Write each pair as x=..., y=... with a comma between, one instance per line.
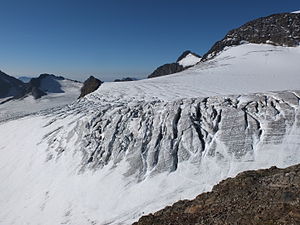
x=185, y=54
x=278, y=29
x=89, y=86
x=184, y=61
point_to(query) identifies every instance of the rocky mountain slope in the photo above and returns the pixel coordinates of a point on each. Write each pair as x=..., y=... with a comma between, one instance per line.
x=279, y=29
x=125, y=79
x=186, y=60
x=10, y=87
x=260, y=197
x=89, y=86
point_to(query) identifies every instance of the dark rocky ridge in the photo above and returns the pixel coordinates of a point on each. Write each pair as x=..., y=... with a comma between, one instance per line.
x=166, y=69
x=279, y=29
x=171, y=68
x=89, y=86
x=16, y=89
x=11, y=87
x=125, y=79
x=262, y=197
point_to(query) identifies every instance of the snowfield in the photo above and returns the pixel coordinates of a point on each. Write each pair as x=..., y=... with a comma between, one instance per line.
x=131, y=148
x=242, y=69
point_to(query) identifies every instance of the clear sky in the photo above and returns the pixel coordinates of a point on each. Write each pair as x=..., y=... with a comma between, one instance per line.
x=116, y=38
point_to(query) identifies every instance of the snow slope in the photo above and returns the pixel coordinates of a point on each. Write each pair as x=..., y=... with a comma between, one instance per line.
x=243, y=69
x=189, y=60
x=132, y=148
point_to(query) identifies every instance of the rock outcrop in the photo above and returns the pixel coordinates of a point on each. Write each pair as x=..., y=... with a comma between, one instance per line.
x=270, y=196
x=166, y=69
x=180, y=65
x=89, y=86
x=11, y=87
x=278, y=29
x=125, y=79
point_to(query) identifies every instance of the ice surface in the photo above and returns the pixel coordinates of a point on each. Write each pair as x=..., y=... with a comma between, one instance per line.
x=132, y=148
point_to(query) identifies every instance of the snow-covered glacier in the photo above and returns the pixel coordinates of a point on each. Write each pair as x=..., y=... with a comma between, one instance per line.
x=132, y=148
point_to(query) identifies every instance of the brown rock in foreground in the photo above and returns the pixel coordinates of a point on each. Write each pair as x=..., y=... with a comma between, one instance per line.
x=262, y=197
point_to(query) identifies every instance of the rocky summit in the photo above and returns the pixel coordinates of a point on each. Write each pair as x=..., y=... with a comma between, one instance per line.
x=184, y=61
x=89, y=86
x=262, y=197
x=279, y=29
x=166, y=69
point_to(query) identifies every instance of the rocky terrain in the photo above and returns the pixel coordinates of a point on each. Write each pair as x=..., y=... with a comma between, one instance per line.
x=279, y=29
x=10, y=87
x=270, y=196
x=89, y=86
x=125, y=79
x=184, y=61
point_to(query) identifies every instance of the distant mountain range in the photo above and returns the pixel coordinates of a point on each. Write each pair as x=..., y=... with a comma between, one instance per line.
x=125, y=79
x=25, y=79
x=13, y=88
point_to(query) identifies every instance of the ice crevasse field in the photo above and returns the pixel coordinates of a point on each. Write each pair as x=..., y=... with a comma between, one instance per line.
x=96, y=161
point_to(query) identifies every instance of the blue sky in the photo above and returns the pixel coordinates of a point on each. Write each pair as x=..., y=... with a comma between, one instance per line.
x=116, y=38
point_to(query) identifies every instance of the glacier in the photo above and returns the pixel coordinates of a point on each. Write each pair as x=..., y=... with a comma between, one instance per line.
x=132, y=148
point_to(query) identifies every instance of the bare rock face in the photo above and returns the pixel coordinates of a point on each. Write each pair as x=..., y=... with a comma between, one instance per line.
x=278, y=29
x=270, y=196
x=10, y=86
x=89, y=86
x=166, y=69
x=171, y=68
x=125, y=79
